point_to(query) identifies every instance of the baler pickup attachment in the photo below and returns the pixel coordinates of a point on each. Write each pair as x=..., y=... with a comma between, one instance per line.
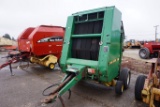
x=74, y=75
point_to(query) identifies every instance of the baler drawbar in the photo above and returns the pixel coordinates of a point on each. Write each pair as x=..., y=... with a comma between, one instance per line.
x=14, y=59
x=74, y=76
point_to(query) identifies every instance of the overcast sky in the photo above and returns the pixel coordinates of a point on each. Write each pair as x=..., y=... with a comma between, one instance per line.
x=139, y=16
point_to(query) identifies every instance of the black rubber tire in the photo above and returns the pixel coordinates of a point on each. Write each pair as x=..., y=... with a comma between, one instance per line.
x=157, y=103
x=123, y=49
x=58, y=61
x=139, y=87
x=119, y=88
x=144, y=53
x=155, y=55
x=125, y=77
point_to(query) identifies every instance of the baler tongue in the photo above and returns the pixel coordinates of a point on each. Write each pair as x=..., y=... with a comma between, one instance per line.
x=74, y=75
x=15, y=59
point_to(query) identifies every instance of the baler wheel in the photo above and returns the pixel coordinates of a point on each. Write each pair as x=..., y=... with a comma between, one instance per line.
x=139, y=87
x=144, y=53
x=119, y=88
x=125, y=77
x=30, y=61
x=58, y=62
x=51, y=66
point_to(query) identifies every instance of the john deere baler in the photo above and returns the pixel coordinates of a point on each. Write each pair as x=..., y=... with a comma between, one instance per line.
x=92, y=49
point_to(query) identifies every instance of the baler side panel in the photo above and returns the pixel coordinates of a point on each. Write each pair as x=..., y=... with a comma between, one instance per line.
x=104, y=48
x=116, y=47
x=47, y=47
x=110, y=50
x=66, y=50
x=47, y=40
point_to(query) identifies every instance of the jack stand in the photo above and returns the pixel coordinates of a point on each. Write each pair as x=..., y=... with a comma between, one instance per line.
x=10, y=67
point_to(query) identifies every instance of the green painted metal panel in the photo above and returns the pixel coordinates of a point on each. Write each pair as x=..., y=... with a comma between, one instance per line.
x=66, y=45
x=111, y=38
x=88, y=63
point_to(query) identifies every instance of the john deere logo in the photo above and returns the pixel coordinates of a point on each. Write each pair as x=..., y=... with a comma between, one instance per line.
x=113, y=61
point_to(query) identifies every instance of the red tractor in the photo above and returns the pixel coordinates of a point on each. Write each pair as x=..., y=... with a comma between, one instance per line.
x=150, y=49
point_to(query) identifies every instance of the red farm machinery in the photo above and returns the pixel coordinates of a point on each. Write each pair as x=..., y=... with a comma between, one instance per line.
x=41, y=45
x=149, y=50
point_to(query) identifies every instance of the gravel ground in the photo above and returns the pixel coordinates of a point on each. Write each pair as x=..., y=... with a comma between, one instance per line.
x=25, y=90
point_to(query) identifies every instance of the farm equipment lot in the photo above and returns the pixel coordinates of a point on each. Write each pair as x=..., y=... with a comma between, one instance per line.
x=26, y=87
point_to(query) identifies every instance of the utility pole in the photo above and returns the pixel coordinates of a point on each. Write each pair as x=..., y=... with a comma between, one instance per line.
x=156, y=32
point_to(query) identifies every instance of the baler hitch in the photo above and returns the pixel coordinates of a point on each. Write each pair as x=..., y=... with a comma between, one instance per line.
x=14, y=59
x=75, y=74
x=55, y=94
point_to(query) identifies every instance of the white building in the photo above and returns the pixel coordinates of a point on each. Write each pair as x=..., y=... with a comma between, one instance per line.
x=5, y=41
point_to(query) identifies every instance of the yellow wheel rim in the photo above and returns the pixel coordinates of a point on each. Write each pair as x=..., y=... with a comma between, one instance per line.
x=51, y=66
